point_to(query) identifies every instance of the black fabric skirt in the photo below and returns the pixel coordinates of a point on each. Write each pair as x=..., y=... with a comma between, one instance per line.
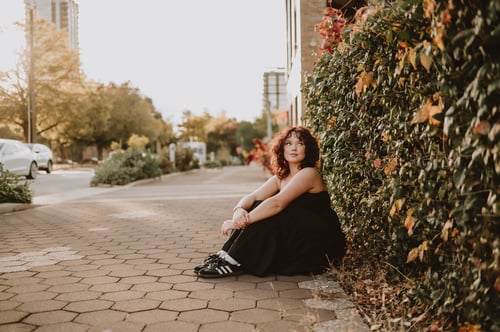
x=304, y=238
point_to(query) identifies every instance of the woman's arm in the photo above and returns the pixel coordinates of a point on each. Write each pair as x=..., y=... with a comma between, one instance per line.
x=266, y=190
x=306, y=180
x=240, y=211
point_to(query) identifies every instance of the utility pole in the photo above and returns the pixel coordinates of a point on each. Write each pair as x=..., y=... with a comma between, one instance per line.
x=30, y=7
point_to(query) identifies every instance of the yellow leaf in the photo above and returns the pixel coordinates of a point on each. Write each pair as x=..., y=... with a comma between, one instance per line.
x=426, y=61
x=423, y=247
x=412, y=57
x=444, y=232
x=409, y=223
x=422, y=114
x=429, y=7
x=396, y=207
x=412, y=255
x=364, y=81
x=435, y=109
x=391, y=166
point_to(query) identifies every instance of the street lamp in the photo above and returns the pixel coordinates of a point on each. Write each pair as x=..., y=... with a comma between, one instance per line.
x=30, y=8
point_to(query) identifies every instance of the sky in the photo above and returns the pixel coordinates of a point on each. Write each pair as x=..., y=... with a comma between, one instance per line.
x=185, y=55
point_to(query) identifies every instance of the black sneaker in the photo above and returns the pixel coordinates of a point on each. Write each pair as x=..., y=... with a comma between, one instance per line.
x=220, y=268
x=208, y=260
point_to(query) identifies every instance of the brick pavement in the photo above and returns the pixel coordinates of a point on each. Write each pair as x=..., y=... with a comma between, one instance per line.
x=123, y=261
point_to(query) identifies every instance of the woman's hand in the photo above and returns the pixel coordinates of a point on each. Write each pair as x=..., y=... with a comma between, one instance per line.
x=240, y=218
x=227, y=226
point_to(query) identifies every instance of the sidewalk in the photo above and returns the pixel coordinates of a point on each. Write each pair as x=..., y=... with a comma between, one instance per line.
x=123, y=260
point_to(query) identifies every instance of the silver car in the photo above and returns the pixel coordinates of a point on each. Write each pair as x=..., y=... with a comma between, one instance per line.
x=17, y=158
x=44, y=157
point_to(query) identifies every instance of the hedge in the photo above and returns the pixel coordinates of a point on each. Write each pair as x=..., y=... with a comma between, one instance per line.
x=406, y=108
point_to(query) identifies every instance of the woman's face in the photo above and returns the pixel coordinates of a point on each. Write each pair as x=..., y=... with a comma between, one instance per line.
x=294, y=149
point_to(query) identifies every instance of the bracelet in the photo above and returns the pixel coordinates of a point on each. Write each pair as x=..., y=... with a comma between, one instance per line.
x=237, y=207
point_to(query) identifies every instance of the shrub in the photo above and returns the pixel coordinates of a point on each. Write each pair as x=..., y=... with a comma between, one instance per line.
x=406, y=108
x=123, y=168
x=12, y=190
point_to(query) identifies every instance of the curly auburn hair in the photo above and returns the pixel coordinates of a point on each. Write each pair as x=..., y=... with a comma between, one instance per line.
x=279, y=165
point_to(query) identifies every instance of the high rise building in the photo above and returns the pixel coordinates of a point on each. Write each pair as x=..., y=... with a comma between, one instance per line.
x=64, y=14
x=275, y=97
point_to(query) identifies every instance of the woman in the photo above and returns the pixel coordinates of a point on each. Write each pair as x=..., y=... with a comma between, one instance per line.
x=287, y=225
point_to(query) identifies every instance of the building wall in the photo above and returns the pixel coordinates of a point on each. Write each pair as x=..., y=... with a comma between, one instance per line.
x=302, y=46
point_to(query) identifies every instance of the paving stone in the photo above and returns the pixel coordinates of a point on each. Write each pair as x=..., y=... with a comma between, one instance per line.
x=152, y=316
x=61, y=281
x=8, y=305
x=50, y=317
x=100, y=317
x=35, y=296
x=203, y=316
x=22, y=281
x=6, y=296
x=193, y=286
x=138, y=280
x=166, y=295
x=41, y=306
x=277, y=285
x=90, y=273
x=11, y=316
x=136, y=305
x=212, y=294
x=280, y=304
x=53, y=274
x=307, y=314
x=163, y=272
x=255, y=294
x=254, y=316
x=151, y=287
x=126, y=273
x=295, y=293
x=107, y=288
x=79, y=296
x=231, y=304
x=235, y=285
x=119, y=327
x=228, y=326
x=184, y=304
x=90, y=305
x=99, y=280
x=176, y=326
x=287, y=326
x=63, y=327
x=123, y=295
x=17, y=327
x=68, y=288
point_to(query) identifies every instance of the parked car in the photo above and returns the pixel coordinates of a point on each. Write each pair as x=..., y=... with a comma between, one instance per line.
x=44, y=157
x=17, y=158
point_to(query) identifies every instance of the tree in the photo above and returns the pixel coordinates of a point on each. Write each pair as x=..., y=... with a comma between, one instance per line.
x=194, y=127
x=57, y=84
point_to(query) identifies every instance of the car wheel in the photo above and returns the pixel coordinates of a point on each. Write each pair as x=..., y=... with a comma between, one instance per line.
x=49, y=167
x=33, y=171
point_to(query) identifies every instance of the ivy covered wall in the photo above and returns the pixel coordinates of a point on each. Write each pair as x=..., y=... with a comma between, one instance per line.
x=406, y=105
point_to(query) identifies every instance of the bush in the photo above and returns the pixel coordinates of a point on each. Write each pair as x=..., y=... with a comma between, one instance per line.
x=11, y=190
x=406, y=108
x=123, y=168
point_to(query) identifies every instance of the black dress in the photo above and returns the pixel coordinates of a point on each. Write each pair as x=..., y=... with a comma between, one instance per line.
x=304, y=238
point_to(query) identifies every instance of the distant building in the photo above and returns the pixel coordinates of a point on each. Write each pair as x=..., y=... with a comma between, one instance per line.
x=274, y=97
x=64, y=14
